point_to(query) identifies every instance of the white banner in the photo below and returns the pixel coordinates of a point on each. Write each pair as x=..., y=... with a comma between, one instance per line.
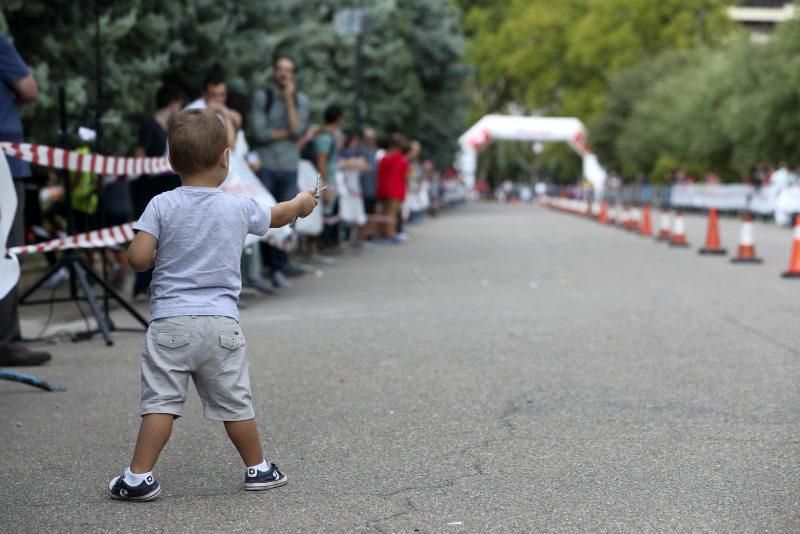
x=766, y=200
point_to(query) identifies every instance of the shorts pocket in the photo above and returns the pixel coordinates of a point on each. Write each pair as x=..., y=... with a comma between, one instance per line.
x=231, y=341
x=172, y=340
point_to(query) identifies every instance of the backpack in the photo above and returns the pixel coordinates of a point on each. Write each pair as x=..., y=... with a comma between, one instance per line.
x=309, y=150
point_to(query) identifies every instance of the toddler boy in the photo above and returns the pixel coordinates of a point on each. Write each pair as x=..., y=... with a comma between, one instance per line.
x=193, y=238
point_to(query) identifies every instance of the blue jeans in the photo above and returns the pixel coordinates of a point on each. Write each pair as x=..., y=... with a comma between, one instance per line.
x=283, y=186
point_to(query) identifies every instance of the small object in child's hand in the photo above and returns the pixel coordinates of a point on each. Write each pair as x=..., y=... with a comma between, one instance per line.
x=317, y=191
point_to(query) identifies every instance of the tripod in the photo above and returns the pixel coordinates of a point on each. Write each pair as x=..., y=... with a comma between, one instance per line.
x=80, y=273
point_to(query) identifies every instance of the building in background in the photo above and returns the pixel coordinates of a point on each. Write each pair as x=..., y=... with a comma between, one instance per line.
x=761, y=16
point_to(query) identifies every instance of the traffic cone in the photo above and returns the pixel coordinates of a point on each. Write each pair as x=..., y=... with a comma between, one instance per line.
x=794, y=262
x=663, y=230
x=678, y=236
x=712, y=236
x=747, y=246
x=602, y=217
x=646, y=229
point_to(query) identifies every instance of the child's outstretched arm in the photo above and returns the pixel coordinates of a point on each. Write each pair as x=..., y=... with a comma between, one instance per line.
x=141, y=253
x=300, y=206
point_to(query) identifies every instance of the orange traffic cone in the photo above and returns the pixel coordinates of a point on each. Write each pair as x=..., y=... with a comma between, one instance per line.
x=678, y=237
x=712, y=236
x=747, y=246
x=646, y=229
x=794, y=262
x=663, y=230
x=602, y=217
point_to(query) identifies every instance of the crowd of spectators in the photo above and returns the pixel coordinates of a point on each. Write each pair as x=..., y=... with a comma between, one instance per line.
x=373, y=184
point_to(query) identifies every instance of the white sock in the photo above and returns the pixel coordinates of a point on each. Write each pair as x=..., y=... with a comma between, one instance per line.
x=134, y=479
x=253, y=469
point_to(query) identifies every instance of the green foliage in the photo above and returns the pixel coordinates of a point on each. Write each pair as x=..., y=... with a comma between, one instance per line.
x=557, y=58
x=413, y=59
x=719, y=110
x=625, y=90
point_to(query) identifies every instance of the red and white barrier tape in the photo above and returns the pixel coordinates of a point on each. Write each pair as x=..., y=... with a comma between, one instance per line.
x=116, y=167
x=58, y=158
x=107, y=237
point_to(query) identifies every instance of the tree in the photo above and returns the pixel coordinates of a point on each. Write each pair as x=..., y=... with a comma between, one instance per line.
x=413, y=59
x=558, y=58
x=626, y=89
x=723, y=109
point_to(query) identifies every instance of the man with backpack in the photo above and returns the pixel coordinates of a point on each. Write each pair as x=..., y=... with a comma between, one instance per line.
x=278, y=118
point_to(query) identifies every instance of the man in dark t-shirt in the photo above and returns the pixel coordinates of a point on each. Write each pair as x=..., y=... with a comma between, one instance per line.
x=152, y=143
x=17, y=87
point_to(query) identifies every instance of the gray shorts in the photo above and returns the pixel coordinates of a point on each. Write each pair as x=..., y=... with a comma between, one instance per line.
x=210, y=349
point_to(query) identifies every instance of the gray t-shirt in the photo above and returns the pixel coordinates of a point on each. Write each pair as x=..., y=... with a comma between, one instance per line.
x=269, y=113
x=201, y=233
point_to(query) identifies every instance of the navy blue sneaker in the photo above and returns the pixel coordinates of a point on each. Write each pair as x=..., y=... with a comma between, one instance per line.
x=146, y=491
x=256, y=480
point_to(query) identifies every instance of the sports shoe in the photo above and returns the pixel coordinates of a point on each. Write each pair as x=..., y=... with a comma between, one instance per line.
x=146, y=491
x=255, y=480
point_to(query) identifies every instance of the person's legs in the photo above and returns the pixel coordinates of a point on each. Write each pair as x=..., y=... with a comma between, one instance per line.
x=369, y=229
x=154, y=433
x=391, y=214
x=12, y=352
x=9, y=314
x=9, y=323
x=398, y=216
x=283, y=186
x=381, y=226
x=244, y=436
x=142, y=282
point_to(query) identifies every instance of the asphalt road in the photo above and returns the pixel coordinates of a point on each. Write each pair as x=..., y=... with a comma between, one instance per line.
x=510, y=369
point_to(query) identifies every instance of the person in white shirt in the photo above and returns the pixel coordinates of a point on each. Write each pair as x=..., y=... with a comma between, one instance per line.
x=214, y=97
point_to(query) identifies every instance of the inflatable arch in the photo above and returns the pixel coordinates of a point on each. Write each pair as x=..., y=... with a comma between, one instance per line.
x=520, y=128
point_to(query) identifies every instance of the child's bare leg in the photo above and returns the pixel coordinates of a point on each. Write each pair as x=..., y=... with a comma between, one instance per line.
x=154, y=433
x=244, y=435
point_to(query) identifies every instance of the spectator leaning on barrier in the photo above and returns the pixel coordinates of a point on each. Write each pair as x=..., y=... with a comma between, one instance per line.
x=17, y=87
x=369, y=186
x=392, y=174
x=152, y=143
x=326, y=159
x=351, y=201
x=251, y=258
x=278, y=117
x=214, y=97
